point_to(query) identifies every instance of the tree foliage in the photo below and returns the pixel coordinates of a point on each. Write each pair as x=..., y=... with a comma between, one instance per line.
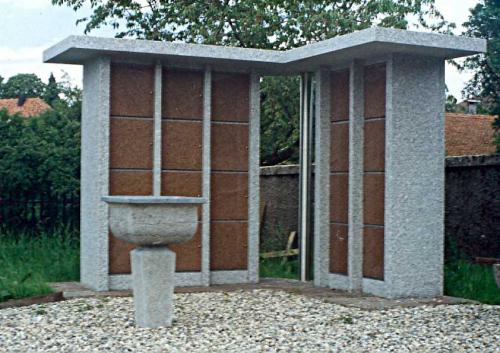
x=276, y=24
x=61, y=95
x=265, y=24
x=39, y=158
x=52, y=90
x=27, y=85
x=39, y=155
x=484, y=22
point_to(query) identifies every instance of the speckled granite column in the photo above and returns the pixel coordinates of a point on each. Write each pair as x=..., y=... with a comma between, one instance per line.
x=414, y=181
x=355, y=184
x=322, y=179
x=94, y=258
x=206, y=165
x=253, y=179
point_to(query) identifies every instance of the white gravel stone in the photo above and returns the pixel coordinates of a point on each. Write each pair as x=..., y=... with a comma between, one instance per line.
x=249, y=321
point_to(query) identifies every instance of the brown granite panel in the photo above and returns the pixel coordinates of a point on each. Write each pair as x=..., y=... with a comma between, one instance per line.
x=188, y=254
x=175, y=183
x=132, y=90
x=339, y=198
x=182, y=94
x=230, y=97
x=338, y=248
x=339, y=88
x=374, y=96
x=130, y=182
x=229, y=147
x=181, y=145
x=373, y=200
x=228, y=246
x=229, y=196
x=374, y=146
x=373, y=252
x=131, y=143
x=119, y=255
x=339, y=156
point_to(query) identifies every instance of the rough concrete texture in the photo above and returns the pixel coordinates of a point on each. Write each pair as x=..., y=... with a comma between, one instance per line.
x=153, y=224
x=153, y=282
x=95, y=174
x=375, y=41
x=414, y=177
x=157, y=131
x=321, y=218
x=206, y=165
x=254, y=179
x=355, y=184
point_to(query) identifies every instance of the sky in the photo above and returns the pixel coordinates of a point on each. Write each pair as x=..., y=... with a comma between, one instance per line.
x=28, y=27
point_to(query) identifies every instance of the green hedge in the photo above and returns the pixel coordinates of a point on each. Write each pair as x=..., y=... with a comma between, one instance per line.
x=39, y=169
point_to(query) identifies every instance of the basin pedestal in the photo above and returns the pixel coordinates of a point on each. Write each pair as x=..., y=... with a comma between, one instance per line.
x=153, y=270
x=153, y=222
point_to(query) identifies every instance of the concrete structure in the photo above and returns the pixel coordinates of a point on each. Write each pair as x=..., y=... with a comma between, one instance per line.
x=153, y=289
x=379, y=112
x=153, y=222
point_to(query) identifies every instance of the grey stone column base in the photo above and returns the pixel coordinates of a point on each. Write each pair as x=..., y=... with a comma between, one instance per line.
x=153, y=286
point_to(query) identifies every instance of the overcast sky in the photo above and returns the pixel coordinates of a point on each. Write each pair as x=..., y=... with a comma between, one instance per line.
x=27, y=27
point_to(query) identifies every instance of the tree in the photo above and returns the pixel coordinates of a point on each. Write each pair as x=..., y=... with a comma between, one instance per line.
x=27, y=85
x=52, y=90
x=39, y=161
x=266, y=24
x=484, y=22
x=451, y=104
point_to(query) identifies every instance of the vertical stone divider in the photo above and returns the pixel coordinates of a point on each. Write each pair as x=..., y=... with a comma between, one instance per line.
x=414, y=177
x=205, y=226
x=355, y=188
x=94, y=258
x=253, y=179
x=322, y=179
x=157, y=131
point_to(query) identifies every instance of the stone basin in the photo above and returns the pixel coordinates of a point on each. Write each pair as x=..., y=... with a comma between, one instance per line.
x=153, y=220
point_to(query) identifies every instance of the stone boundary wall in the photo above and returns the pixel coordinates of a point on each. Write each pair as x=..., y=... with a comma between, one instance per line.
x=472, y=208
x=472, y=214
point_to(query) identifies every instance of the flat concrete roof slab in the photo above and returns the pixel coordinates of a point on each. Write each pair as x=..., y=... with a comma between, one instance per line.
x=365, y=44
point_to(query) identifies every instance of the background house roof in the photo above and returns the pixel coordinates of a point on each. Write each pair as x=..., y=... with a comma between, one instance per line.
x=467, y=134
x=31, y=107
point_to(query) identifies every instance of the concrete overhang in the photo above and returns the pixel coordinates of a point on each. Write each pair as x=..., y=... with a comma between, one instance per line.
x=363, y=45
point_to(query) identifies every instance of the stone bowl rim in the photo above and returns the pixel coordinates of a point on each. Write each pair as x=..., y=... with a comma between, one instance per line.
x=154, y=200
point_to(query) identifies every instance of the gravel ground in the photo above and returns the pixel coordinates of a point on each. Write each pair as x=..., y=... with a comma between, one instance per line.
x=249, y=321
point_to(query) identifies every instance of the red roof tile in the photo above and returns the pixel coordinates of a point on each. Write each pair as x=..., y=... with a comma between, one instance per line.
x=467, y=134
x=31, y=107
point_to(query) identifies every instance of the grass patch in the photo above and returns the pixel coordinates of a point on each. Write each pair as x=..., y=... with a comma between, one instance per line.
x=472, y=281
x=28, y=261
x=276, y=268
